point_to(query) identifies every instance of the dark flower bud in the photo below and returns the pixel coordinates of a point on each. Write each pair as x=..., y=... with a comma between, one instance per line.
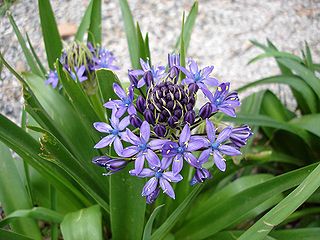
x=193, y=88
x=178, y=113
x=148, y=78
x=200, y=176
x=190, y=106
x=240, y=135
x=160, y=130
x=162, y=118
x=205, y=111
x=141, y=104
x=174, y=73
x=190, y=117
x=149, y=116
x=151, y=198
x=172, y=121
x=135, y=121
x=133, y=79
x=111, y=164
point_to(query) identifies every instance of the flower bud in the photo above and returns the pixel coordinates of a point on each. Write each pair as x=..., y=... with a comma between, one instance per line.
x=240, y=135
x=172, y=121
x=174, y=73
x=148, y=78
x=141, y=104
x=149, y=116
x=111, y=164
x=151, y=198
x=200, y=176
x=205, y=111
x=135, y=121
x=193, y=88
x=160, y=130
x=190, y=117
x=133, y=79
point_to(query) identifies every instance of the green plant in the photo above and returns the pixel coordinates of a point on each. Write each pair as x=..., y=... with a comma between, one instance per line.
x=57, y=177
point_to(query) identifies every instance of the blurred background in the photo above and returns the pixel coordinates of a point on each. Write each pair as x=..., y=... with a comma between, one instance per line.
x=220, y=37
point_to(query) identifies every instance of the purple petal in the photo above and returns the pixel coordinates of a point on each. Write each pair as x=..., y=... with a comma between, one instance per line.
x=104, y=141
x=169, y=176
x=157, y=143
x=124, y=123
x=206, y=71
x=152, y=159
x=145, y=65
x=224, y=135
x=194, y=145
x=166, y=187
x=129, y=151
x=150, y=186
x=169, y=149
x=131, y=137
x=229, y=150
x=187, y=81
x=165, y=162
x=112, y=104
x=119, y=91
x=145, y=131
x=192, y=160
x=193, y=66
x=132, y=110
x=120, y=111
x=138, y=164
x=185, y=71
x=137, y=72
x=211, y=130
x=227, y=110
x=141, y=83
x=219, y=161
x=102, y=127
x=146, y=172
x=114, y=120
x=211, y=81
x=204, y=156
x=177, y=164
x=118, y=146
x=185, y=135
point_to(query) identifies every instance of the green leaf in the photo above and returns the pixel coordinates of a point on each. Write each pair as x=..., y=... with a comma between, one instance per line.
x=188, y=26
x=308, y=58
x=51, y=37
x=285, y=208
x=142, y=46
x=42, y=68
x=131, y=33
x=304, y=73
x=85, y=23
x=297, y=234
x=164, y=229
x=83, y=225
x=276, y=54
x=94, y=33
x=182, y=51
x=36, y=213
x=127, y=206
x=228, y=211
x=308, y=122
x=28, y=55
x=8, y=235
x=148, y=228
x=13, y=195
x=292, y=81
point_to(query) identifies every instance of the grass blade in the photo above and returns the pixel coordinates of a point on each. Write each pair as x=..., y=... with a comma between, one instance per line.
x=51, y=37
x=131, y=33
x=94, y=33
x=285, y=208
x=85, y=23
x=83, y=225
x=148, y=228
x=13, y=195
x=8, y=235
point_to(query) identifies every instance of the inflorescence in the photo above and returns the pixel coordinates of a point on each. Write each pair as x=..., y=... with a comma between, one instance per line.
x=158, y=121
x=80, y=61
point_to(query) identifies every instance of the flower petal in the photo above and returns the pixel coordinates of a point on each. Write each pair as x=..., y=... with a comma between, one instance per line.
x=192, y=160
x=118, y=145
x=185, y=135
x=169, y=176
x=219, y=161
x=102, y=127
x=204, y=156
x=165, y=162
x=132, y=109
x=130, y=137
x=129, y=151
x=211, y=81
x=224, y=135
x=194, y=145
x=150, y=186
x=229, y=150
x=145, y=131
x=157, y=143
x=120, y=111
x=138, y=164
x=206, y=71
x=193, y=66
x=152, y=159
x=166, y=187
x=177, y=164
x=124, y=123
x=105, y=141
x=211, y=130
x=146, y=172
x=119, y=91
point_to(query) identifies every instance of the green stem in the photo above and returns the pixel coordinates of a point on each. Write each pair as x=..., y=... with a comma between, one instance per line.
x=53, y=206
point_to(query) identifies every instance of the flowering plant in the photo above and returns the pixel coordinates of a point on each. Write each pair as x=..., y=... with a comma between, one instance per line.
x=151, y=136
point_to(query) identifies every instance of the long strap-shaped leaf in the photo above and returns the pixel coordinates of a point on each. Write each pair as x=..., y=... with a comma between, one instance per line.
x=51, y=37
x=94, y=33
x=85, y=23
x=13, y=195
x=8, y=235
x=287, y=206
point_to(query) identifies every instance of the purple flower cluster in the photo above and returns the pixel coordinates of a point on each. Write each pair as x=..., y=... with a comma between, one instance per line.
x=81, y=61
x=159, y=126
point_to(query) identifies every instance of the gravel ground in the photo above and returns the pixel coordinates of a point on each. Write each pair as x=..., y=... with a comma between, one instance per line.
x=221, y=35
